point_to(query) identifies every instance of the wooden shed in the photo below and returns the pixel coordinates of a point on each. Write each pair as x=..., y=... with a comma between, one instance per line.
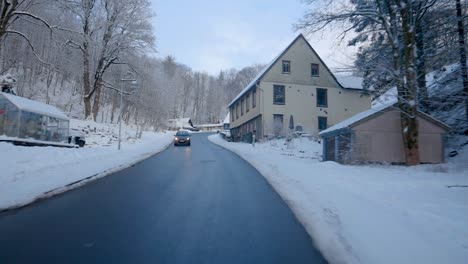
x=375, y=136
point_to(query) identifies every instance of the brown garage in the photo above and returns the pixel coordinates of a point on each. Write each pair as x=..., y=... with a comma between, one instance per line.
x=374, y=136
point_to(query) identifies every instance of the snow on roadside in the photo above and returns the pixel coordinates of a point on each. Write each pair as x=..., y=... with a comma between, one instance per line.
x=30, y=173
x=369, y=214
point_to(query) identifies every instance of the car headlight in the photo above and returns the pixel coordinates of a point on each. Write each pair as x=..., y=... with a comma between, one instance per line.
x=176, y=138
x=188, y=138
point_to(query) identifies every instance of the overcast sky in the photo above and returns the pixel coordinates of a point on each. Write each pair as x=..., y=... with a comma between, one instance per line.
x=210, y=35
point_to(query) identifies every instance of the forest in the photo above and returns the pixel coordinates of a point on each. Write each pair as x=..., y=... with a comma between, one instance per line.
x=79, y=55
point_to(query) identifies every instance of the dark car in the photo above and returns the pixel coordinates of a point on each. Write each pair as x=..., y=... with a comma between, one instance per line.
x=182, y=138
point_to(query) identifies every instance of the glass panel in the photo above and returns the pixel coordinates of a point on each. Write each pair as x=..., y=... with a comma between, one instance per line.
x=278, y=94
x=314, y=69
x=10, y=119
x=278, y=124
x=247, y=100
x=254, y=98
x=56, y=130
x=286, y=66
x=31, y=126
x=322, y=123
x=322, y=97
x=242, y=107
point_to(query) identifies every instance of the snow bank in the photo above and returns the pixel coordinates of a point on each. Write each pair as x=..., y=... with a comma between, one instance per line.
x=31, y=173
x=369, y=214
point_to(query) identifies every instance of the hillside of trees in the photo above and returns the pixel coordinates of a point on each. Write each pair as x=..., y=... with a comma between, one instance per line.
x=74, y=54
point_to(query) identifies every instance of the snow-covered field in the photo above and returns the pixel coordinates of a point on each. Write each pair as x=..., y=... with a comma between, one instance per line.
x=30, y=173
x=369, y=214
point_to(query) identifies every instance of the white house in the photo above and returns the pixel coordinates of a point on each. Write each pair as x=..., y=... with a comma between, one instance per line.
x=296, y=83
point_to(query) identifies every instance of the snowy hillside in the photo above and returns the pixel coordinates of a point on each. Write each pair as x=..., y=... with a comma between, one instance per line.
x=37, y=172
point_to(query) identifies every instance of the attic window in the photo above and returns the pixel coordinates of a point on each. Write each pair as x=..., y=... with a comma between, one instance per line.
x=286, y=66
x=314, y=69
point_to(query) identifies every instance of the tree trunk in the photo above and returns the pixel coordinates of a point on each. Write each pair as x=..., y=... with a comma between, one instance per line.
x=86, y=81
x=97, y=98
x=421, y=69
x=87, y=89
x=461, y=43
x=114, y=106
x=407, y=100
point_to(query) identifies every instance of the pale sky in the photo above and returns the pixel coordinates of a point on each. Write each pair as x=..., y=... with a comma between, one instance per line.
x=210, y=35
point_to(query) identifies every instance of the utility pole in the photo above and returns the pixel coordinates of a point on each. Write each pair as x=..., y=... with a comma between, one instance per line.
x=120, y=106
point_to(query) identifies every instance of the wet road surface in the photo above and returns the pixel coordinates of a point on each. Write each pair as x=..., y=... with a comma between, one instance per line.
x=198, y=204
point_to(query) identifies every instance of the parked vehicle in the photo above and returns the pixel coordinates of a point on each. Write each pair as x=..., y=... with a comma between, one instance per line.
x=77, y=137
x=182, y=137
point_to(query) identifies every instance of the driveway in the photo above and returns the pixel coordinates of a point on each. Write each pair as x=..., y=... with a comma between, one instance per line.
x=198, y=204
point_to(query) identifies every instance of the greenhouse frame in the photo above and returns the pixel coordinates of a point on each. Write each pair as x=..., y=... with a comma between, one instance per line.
x=30, y=121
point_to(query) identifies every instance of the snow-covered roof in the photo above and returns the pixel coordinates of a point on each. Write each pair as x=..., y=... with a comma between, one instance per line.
x=374, y=110
x=209, y=125
x=259, y=76
x=270, y=65
x=350, y=82
x=358, y=117
x=227, y=120
x=34, y=106
x=179, y=122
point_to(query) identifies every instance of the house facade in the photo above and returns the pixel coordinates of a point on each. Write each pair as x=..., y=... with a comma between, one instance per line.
x=297, y=83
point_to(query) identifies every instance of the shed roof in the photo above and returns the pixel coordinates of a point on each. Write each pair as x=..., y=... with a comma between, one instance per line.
x=270, y=65
x=350, y=122
x=34, y=106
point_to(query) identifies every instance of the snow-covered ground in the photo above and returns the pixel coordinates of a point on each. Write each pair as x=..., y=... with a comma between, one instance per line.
x=369, y=214
x=30, y=173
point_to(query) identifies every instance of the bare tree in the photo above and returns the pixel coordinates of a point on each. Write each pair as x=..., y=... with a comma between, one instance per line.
x=110, y=28
x=396, y=22
x=461, y=43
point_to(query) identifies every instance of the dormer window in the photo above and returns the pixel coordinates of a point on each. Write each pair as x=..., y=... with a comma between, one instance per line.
x=314, y=69
x=286, y=66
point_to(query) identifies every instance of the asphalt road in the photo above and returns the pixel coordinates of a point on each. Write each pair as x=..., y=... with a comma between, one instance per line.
x=198, y=204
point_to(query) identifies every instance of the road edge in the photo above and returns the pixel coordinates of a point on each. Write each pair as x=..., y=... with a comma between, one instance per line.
x=80, y=183
x=296, y=212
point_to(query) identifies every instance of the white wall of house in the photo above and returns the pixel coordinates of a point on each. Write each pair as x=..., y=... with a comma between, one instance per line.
x=301, y=102
x=300, y=94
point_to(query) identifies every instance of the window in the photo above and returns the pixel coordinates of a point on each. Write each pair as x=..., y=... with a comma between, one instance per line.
x=278, y=95
x=237, y=111
x=242, y=106
x=322, y=123
x=232, y=114
x=286, y=66
x=247, y=105
x=278, y=125
x=314, y=69
x=322, y=100
x=254, y=98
